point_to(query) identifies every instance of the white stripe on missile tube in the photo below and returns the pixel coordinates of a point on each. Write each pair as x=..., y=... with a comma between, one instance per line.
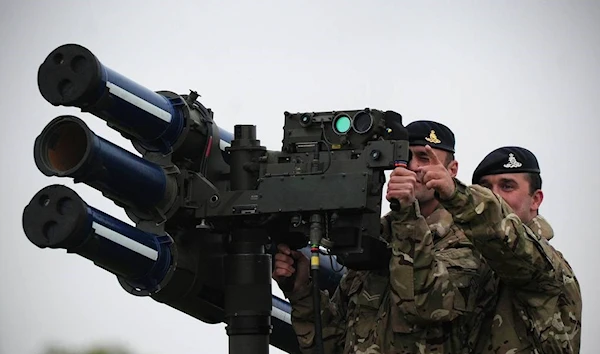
x=223, y=144
x=138, y=102
x=282, y=315
x=124, y=241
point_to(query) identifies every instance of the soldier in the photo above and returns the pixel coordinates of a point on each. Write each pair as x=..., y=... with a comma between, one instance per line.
x=433, y=296
x=539, y=305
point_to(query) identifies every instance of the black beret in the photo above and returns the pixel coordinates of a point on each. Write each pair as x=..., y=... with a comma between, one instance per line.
x=434, y=134
x=507, y=159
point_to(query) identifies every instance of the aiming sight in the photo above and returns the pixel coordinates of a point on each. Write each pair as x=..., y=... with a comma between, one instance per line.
x=209, y=206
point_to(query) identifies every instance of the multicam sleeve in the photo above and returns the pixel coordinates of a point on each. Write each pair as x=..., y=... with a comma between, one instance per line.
x=542, y=281
x=332, y=318
x=518, y=256
x=429, y=285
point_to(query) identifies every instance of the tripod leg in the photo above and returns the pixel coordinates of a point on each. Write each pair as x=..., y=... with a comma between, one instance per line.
x=248, y=293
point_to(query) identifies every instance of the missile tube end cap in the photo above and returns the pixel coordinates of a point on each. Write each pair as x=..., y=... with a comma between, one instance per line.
x=70, y=76
x=55, y=218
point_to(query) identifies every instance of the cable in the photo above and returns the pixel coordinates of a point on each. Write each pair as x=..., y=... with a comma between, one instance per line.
x=314, y=271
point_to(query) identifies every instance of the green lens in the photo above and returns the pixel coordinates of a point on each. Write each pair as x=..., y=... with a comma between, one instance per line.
x=342, y=124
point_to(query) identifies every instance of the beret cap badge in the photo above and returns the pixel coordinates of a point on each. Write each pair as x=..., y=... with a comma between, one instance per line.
x=432, y=138
x=512, y=162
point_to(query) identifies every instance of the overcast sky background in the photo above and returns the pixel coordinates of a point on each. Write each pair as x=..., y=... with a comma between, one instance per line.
x=497, y=73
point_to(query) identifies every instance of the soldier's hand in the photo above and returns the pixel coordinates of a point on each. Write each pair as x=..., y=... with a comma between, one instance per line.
x=284, y=266
x=436, y=176
x=401, y=186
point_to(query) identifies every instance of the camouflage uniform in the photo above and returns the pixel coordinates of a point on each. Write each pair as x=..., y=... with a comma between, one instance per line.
x=539, y=305
x=432, y=299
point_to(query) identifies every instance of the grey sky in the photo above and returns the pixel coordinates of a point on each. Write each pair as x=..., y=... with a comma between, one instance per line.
x=498, y=73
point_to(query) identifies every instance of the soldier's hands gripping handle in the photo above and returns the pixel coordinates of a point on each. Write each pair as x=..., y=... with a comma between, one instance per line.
x=401, y=187
x=291, y=269
x=394, y=203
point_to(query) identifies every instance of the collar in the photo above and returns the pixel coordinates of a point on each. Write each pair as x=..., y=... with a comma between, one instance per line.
x=541, y=227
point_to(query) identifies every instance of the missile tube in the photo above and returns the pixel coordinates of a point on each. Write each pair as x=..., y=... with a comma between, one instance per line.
x=68, y=148
x=57, y=217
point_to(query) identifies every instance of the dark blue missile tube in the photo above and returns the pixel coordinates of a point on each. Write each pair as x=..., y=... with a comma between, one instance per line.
x=283, y=335
x=68, y=148
x=71, y=75
x=57, y=217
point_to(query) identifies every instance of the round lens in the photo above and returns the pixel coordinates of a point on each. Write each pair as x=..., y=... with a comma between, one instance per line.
x=305, y=120
x=362, y=122
x=342, y=124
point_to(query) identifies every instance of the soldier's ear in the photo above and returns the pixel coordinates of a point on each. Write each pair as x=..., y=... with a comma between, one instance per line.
x=453, y=168
x=536, y=200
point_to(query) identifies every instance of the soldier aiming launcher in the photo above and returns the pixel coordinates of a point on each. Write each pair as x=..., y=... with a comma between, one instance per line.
x=208, y=206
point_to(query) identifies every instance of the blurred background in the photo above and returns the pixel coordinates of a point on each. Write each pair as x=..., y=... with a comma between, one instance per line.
x=497, y=73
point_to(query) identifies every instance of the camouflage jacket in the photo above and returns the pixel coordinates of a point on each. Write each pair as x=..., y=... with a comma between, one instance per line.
x=539, y=304
x=432, y=299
